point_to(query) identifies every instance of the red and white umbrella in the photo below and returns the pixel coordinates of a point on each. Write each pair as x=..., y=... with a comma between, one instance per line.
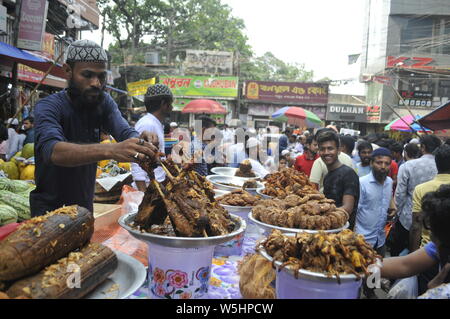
x=201, y=106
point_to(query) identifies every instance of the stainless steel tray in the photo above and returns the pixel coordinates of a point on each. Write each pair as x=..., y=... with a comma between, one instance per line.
x=237, y=209
x=264, y=196
x=269, y=227
x=128, y=277
x=182, y=242
x=219, y=192
x=302, y=273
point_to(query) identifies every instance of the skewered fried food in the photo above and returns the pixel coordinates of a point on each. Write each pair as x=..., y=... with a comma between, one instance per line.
x=332, y=254
x=188, y=200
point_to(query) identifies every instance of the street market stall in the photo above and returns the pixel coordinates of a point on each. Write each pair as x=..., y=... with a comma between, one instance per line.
x=178, y=240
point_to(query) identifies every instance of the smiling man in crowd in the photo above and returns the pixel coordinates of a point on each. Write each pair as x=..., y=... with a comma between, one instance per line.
x=341, y=183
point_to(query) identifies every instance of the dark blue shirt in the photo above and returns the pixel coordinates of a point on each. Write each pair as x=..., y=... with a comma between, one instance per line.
x=30, y=136
x=283, y=143
x=57, y=119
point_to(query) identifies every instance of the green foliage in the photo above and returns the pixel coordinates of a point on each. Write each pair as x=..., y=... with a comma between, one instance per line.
x=270, y=68
x=173, y=26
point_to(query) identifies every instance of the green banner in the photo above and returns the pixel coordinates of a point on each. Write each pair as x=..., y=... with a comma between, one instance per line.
x=201, y=85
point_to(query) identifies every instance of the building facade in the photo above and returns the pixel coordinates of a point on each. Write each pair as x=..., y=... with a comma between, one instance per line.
x=41, y=28
x=406, y=57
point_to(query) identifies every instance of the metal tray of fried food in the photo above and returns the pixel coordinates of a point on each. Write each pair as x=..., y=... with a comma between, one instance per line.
x=269, y=227
x=260, y=193
x=303, y=273
x=182, y=242
x=231, y=171
x=219, y=192
x=128, y=277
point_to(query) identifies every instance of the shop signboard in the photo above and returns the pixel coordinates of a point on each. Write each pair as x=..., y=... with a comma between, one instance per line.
x=48, y=46
x=33, y=18
x=209, y=62
x=25, y=73
x=402, y=62
x=416, y=98
x=347, y=113
x=202, y=85
x=289, y=92
x=373, y=114
x=139, y=87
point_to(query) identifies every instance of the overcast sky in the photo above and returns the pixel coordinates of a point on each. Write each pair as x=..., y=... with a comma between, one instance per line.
x=319, y=33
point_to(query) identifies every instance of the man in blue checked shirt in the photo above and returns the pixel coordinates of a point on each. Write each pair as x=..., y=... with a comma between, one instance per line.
x=375, y=200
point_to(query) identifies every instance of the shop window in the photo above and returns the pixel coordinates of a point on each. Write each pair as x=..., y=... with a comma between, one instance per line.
x=426, y=35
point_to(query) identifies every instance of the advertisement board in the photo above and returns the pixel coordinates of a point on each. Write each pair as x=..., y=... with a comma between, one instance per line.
x=289, y=92
x=33, y=18
x=201, y=85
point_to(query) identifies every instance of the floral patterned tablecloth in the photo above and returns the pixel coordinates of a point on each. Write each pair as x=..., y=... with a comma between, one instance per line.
x=224, y=279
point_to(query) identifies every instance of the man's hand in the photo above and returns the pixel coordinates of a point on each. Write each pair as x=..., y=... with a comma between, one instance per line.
x=440, y=277
x=392, y=212
x=133, y=150
x=150, y=137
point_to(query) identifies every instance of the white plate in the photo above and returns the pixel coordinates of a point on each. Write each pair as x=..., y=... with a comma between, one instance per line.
x=231, y=171
x=217, y=181
x=128, y=277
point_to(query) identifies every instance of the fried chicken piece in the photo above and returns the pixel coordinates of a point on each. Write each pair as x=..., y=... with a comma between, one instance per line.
x=255, y=277
x=292, y=201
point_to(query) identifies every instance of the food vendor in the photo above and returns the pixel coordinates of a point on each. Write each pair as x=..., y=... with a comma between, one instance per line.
x=67, y=133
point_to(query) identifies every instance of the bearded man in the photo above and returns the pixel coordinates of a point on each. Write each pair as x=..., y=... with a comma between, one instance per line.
x=67, y=133
x=365, y=150
x=375, y=200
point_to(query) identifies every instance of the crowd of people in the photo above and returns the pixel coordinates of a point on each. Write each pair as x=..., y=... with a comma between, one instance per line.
x=377, y=180
x=382, y=184
x=14, y=135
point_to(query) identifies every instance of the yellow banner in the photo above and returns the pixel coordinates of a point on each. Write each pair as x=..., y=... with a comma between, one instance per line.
x=139, y=87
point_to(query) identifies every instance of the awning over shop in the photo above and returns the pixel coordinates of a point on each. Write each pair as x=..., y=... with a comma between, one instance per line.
x=439, y=119
x=10, y=54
